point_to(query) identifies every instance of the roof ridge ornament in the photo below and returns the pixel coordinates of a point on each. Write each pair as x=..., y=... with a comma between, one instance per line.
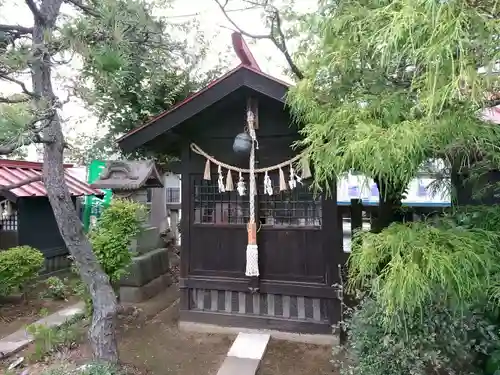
x=117, y=166
x=243, y=52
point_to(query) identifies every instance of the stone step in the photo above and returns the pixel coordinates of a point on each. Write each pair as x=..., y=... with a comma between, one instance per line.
x=245, y=354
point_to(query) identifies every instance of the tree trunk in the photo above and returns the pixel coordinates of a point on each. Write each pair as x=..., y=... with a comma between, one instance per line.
x=102, y=331
x=390, y=205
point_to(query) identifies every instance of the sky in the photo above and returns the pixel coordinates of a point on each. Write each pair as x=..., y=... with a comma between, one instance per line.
x=212, y=23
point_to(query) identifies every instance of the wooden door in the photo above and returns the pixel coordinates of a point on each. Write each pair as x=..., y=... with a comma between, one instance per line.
x=290, y=237
x=218, y=237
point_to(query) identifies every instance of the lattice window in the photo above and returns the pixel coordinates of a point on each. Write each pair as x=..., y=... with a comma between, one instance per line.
x=290, y=208
x=9, y=223
x=212, y=207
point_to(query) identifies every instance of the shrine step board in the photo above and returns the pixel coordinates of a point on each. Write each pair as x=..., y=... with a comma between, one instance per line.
x=245, y=354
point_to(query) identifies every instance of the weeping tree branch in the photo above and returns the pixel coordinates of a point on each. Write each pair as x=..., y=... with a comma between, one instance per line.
x=276, y=35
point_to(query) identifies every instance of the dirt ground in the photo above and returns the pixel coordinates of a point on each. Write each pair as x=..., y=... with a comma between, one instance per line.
x=290, y=358
x=151, y=344
x=17, y=312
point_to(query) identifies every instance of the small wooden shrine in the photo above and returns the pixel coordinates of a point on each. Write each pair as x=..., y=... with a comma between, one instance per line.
x=259, y=248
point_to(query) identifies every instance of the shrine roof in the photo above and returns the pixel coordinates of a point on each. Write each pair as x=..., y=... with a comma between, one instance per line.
x=247, y=74
x=129, y=175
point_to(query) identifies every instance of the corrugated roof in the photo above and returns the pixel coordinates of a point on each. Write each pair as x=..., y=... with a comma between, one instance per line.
x=15, y=172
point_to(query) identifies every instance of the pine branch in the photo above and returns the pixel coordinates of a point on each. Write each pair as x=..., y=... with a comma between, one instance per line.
x=84, y=8
x=279, y=41
x=33, y=135
x=36, y=12
x=16, y=29
x=13, y=101
x=21, y=84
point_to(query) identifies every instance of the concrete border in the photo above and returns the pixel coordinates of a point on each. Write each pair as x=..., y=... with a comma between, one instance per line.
x=18, y=340
x=329, y=340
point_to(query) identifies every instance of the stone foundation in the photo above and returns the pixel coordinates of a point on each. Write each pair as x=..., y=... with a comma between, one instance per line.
x=147, y=276
x=133, y=294
x=146, y=240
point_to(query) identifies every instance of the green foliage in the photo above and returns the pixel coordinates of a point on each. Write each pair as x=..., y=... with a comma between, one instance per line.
x=101, y=369
x=119, y=223
x=389, y=85
x=95, y=368
x=430, y=288
x=111, y=237
x=55, y=288
x=431, y=341
x=82, y=291
x=47, y=340
x=19, y=266
x=138, y=67
x=405, y=264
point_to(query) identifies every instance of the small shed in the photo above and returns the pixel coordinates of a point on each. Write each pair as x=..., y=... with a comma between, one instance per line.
x=298, y=234
x=26, y=217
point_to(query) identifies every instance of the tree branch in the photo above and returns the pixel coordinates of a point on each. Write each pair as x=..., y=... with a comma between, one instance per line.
x=84, y=8
x=21, y=84
x=36, y=12
x=16, y=29
x=283, y=47
x=12, y=100
x=9, y=149
x=21, y=183
x=33, y=135
x=243, y=32
x=276, y=26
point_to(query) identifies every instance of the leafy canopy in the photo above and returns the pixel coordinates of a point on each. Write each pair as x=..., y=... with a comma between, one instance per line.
x=134, y=70
x=128, y=59
x=391, y=84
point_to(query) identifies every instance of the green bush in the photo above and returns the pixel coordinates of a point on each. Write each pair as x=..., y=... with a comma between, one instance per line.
x=405, y=264
x=19, y=266
x=111, y=237
x=47, y=340
x=433, y=340
x=55, y=288
x=430, y=288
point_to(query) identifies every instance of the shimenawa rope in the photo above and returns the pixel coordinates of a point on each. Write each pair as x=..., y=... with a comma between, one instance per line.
x=196, y=149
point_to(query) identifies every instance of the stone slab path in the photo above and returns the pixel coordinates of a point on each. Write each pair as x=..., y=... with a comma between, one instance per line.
x=20, y=339
x=245, y=354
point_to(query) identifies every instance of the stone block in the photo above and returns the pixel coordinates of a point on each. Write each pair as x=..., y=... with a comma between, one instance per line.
x=144, y=268
x=145, y=241
x=165, y=261
x=240, y=366
x=131, y=294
